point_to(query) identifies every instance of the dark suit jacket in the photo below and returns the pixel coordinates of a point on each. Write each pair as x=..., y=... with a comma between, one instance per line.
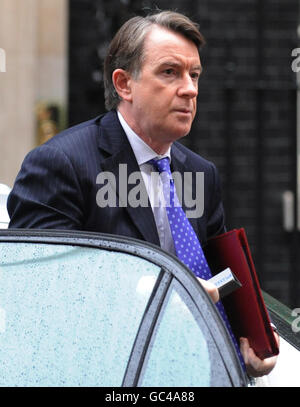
x=56, y=187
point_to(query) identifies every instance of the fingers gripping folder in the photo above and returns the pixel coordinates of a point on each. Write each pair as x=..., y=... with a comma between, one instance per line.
x=245, y=306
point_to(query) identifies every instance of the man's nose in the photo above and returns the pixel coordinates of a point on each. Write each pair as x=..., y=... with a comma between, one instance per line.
x=188, y=87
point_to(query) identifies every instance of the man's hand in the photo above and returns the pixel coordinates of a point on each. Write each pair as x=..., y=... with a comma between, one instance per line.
x=211, y=289
x=254, y=365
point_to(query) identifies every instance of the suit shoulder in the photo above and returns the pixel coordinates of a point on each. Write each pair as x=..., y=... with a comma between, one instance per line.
x=76, y=142
x=82, y=132
x=196, y=161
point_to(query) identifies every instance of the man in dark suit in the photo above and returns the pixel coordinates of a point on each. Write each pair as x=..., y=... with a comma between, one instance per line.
x=151, y=85
x=57, y=185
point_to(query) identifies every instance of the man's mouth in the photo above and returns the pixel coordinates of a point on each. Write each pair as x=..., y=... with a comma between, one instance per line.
x=184, y=111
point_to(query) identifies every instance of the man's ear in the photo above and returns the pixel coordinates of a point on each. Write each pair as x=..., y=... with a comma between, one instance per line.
x=122, y=83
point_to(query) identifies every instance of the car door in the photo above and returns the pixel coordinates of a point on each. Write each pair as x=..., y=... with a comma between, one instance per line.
x=85, y=309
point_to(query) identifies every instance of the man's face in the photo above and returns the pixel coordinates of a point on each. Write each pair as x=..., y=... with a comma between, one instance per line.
x=164, y=97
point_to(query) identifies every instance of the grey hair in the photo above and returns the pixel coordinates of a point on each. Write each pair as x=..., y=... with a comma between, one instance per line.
x=126, y=48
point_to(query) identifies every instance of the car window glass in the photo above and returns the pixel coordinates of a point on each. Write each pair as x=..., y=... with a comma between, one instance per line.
x=166, y=364
x=62, y=315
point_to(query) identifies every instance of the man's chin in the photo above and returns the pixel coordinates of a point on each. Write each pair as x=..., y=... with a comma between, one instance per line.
x=172, y=133
x=178, y=133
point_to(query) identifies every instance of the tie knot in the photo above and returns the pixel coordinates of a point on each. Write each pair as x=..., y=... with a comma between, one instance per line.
x=162, y=165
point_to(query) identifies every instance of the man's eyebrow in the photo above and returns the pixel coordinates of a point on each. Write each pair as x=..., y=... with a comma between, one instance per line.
x=179, y=65
x=198, y=68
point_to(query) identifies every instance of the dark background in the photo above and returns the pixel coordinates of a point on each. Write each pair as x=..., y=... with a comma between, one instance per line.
x=246, y=121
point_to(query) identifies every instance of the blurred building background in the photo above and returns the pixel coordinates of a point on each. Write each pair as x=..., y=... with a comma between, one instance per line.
x=247, y=111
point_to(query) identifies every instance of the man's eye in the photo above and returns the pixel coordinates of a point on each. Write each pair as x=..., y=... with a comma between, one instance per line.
x=169, y=71
x=195, y=75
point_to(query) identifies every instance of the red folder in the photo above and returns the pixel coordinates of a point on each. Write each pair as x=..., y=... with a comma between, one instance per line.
x=245, y=307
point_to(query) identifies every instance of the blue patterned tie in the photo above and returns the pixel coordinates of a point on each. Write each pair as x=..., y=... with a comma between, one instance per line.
x=186, y=243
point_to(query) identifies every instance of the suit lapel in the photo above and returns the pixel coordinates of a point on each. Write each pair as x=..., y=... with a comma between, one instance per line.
x=120, y=158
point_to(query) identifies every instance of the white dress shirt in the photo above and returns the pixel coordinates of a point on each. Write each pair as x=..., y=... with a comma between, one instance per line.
x=143, y=154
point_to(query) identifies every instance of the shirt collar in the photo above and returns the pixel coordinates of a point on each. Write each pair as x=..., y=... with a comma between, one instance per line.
x=143, y=153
